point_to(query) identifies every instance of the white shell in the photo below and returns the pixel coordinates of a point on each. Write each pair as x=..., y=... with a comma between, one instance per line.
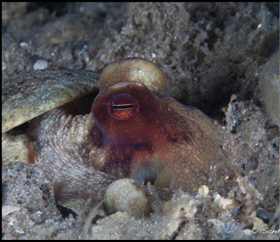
x=124, y=195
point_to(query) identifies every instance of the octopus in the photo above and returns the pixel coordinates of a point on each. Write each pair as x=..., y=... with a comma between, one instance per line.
x=133, y=130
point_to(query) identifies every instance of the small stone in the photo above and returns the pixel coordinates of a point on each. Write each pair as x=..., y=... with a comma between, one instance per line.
x=23, y=44
x=124, y=195
x=7, y=209
x=40, y=65
x=223, y=202
x=203, y=191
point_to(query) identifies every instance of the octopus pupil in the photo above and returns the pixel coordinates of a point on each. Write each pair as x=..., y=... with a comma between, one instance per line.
x=123, y=106
x=120, y=107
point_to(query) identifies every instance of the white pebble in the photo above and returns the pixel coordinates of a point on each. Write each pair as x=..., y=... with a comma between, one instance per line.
x=23, y=44
x=123, y=195
x=223, y=202
x=203, y=191
x=40, y=65
x=7, y=209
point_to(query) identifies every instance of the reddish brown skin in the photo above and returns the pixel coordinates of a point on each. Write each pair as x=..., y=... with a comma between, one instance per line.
x=136, y=131
x=154, y=133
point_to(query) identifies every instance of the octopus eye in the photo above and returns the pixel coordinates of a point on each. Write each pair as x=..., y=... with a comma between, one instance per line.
x=123, y=107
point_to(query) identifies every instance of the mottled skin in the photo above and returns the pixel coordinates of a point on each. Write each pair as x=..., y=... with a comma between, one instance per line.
x=135, y=131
